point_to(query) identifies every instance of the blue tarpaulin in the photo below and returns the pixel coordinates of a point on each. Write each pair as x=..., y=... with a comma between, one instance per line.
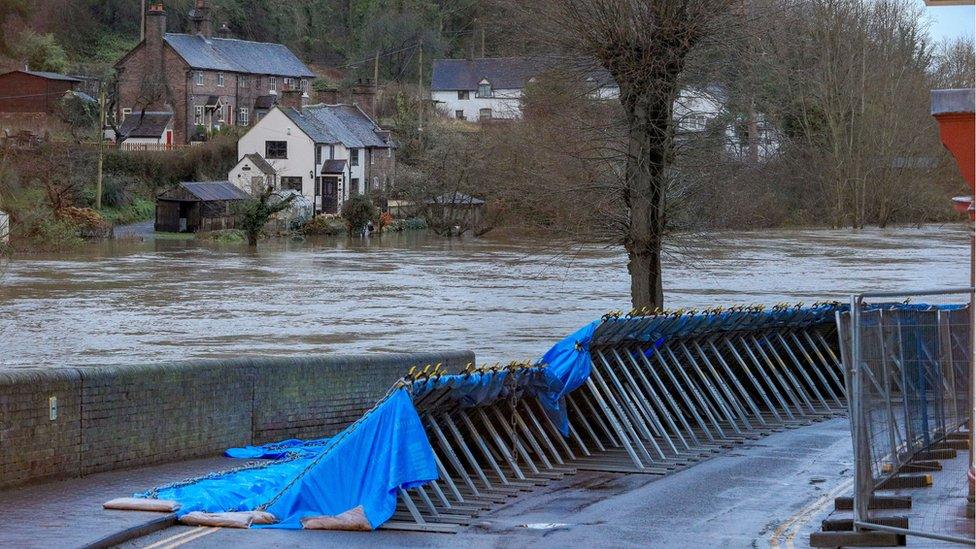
x=567, y=366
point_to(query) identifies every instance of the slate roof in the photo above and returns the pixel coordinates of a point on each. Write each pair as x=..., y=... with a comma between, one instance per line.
x=52, y=75
x=261, y=163
x=148, y=124
x=345, y=124
x=333, y=166
x=231, y=55
x=506, y=73
x=214, y=190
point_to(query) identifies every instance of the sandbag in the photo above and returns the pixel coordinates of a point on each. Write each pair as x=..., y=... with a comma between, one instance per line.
x=238, y=519
x=142, y=504
x=353, y=519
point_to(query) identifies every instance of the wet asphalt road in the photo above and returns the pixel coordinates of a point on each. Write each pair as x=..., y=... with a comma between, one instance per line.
x=743, y=498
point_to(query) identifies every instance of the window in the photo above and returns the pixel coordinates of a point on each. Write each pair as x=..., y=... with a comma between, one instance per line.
x=198, y=78
x=354, y=186
x=376, y=183
x=220, y=79
x=242, y=118
x=353, y=157
x=289, y=83
x=484, y=89
x=198, y=115
x=220, y=114
x=484, y=114
x=372, y=157
x=331, y=152
x=242, y=81
x=126, y=113
x=291, y=183
x=318, y=154
x=276, y=149
x=303, y=85
x=389, y=152
x=459, y=115
x=273, y=83
x=463, y=95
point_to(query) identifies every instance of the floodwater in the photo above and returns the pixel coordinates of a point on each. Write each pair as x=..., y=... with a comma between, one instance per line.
x=505, y=298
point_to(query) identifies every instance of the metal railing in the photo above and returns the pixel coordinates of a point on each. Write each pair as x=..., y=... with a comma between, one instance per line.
x=907, y=370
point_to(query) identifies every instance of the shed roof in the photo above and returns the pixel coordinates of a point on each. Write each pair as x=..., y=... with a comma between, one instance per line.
x=345, y=124
x=227, y=54
x=46, y=75
x=506, y=73
x=214, y=190
x=145, y=124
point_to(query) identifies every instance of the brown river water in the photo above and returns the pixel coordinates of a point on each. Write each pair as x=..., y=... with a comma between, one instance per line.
x=505, y=298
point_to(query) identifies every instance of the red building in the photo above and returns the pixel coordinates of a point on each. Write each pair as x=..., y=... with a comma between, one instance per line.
x=33, y=91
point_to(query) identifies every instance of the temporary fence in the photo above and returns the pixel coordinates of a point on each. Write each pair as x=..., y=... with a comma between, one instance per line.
x=645, y=392
x=908, y=373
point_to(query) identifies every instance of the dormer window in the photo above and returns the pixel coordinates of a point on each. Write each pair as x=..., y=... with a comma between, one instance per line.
x=484, y=88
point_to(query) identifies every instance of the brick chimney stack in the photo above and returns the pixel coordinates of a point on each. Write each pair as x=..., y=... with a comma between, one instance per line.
x=200, y=17
x=290, y=97
x=155, y=25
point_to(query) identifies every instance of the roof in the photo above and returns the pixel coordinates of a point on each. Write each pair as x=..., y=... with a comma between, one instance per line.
x=333, y=166
x=260, y=163
x=47, y=75
x=345, y=124
x=456, y=198
x=147, y=124
x=505, y=73
x=232, y=55
x=214, y=190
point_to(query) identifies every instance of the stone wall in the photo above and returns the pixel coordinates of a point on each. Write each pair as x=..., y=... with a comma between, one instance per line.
x=113, y=417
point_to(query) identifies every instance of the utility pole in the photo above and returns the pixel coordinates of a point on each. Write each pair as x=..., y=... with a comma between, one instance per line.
x=101, y=145
x=142, y=28
x=482, y=41
x=376, y=80
x=420, y=86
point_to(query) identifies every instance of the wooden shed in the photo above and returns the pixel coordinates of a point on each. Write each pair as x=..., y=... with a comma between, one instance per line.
x=198, y=206
x=33, y=91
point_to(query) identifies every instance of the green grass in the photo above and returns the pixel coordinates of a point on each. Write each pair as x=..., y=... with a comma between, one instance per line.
x=140, y=209
x=173, y=236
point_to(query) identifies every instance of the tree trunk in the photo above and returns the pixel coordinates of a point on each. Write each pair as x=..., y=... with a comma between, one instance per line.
x=648, y=142
x=252, y=239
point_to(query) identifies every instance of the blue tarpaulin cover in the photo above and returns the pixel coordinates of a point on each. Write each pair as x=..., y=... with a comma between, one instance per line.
x=362, y=466
x=567, y=366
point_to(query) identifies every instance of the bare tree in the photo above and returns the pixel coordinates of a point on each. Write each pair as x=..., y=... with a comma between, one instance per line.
x=645, y=46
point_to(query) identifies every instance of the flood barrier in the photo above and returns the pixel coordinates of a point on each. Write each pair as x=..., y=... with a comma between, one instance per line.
x=638, y=393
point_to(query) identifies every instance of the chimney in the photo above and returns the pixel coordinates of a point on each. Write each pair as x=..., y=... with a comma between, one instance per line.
x=290, y=97
x=155, y=25
x=200, y=17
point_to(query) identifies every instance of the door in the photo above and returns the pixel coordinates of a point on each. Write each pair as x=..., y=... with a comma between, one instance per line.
x=330, y=195
x=169, y=138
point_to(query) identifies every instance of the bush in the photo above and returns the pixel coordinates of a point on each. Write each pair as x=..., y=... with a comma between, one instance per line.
x=139, y=210
x=324, y=225
x=227, y=236
x=358, y=212
x=411, y=224
x=55, y=234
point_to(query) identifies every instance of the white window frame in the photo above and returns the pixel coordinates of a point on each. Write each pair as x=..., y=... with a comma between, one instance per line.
x=243, y=117
x=288, y=83
x=485, y=84
x=198, y=115
x=241, y=81
x=198, y=78
x=273, y=84
x=354, y=157
x=220, y=115
x=303, y=85
x=220, y=80
x=126, y=113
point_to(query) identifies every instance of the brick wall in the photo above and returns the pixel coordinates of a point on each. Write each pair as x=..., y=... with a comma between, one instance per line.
x=112, y=417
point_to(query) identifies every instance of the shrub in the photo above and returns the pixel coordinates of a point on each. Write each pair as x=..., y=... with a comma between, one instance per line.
x=411, y=224
x=358, y=211
x=227, y=236
x=324, y=225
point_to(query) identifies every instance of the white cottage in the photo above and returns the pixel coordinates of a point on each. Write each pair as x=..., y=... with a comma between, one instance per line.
x=326, y=152
x=492, y=88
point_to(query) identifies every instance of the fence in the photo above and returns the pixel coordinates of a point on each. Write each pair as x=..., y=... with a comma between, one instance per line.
x=908, y=371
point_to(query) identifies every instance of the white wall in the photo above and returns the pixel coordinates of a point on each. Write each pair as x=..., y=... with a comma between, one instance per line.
x=505, y=104
x=275, y=126
x=243, y=173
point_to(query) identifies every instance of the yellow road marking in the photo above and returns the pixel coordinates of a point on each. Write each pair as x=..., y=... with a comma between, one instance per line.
x=798, y=519
x=193, y=533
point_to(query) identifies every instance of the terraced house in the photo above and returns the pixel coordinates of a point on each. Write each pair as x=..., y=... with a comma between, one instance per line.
x=203, y=82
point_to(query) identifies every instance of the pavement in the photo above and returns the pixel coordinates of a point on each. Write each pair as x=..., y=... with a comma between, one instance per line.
x=770, y=492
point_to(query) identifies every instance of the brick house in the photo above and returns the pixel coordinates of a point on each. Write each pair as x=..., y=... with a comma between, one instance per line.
x=327, y=152
x=205, y=81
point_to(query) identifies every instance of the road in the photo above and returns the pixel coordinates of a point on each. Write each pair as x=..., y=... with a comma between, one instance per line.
x=772, y=492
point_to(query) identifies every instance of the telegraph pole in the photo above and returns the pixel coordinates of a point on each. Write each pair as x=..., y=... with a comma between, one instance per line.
x=376, y=80
x=101, y=145
x=420, y=86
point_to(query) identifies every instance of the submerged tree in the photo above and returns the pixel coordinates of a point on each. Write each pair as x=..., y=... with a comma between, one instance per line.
x=255, y=213
x=645, y=46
